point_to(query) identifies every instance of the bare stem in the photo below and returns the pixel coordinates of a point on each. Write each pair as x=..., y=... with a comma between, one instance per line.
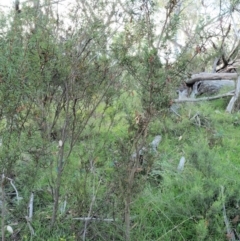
x=3, y=207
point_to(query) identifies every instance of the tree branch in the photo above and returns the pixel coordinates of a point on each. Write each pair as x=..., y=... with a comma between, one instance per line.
x=211, y=76
x=203, y=99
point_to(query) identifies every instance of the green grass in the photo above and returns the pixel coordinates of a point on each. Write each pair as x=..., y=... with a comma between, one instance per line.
x=167, y=204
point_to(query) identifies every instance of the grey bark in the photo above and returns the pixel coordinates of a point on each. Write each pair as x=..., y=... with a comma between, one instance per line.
x=234, y=99
x=204, y=98
x=211, y=87
x=211, y=76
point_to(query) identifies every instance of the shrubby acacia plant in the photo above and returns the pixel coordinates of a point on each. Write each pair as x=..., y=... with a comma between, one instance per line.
x=78, y=102
x=52, y=89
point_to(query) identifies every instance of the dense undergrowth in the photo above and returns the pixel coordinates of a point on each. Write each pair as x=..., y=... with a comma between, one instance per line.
x=80, y=107
x=167, y=204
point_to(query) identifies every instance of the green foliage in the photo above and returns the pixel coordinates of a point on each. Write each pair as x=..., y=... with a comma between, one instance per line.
x=77, y=115
x=189, y=205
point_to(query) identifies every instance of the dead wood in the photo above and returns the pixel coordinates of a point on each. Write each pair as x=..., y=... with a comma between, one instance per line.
x=211, y=87
x=204, y=98
x=211, y=76
x=234, y=99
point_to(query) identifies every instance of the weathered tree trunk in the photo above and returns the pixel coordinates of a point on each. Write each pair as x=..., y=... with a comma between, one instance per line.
x=211, y=87
x=235, y=98
x=211, y=76
x=210, y=83
x=231, y=93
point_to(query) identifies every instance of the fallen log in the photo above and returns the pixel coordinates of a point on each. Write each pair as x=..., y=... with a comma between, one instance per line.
x=207, y=87
x=204, y=98
x=211, y=87
x=211, y=76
